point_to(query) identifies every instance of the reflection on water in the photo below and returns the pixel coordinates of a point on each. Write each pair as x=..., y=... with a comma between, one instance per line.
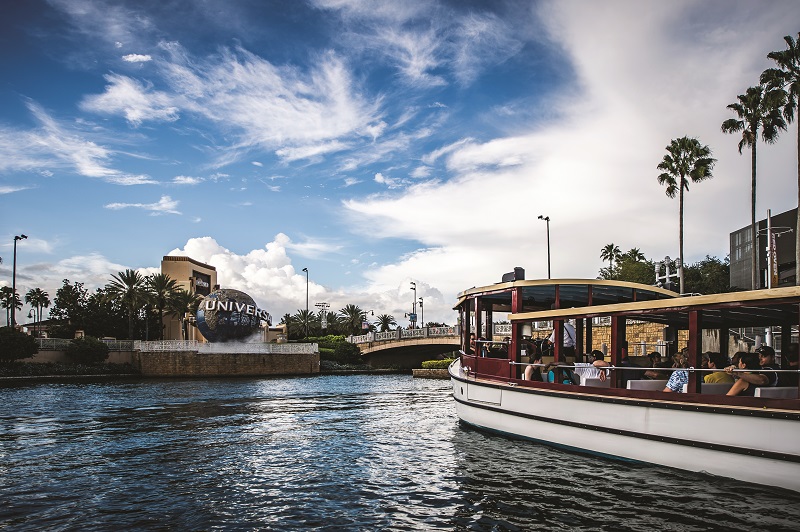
x=359, y=452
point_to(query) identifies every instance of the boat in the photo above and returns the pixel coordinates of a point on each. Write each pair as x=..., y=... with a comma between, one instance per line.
x=752, y=439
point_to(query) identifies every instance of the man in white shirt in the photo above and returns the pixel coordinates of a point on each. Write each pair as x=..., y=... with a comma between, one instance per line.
x=590, y=370
x=569, y=339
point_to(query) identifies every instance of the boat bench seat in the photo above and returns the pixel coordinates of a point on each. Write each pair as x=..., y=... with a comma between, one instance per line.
x=646, y=384
x=777, y=392
x=716, y=388
x=596, y=383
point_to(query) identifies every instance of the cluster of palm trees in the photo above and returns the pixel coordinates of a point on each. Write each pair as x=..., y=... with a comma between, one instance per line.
x=612, y=254
x=37, y=298
x=137, y=293
x=767, y=108
x=350, y=319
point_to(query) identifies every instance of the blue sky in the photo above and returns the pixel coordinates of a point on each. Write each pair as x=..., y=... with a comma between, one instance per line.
x=374, y=143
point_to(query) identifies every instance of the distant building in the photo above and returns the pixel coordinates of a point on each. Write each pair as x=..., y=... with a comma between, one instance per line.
x=783, y=226
x=194, y=277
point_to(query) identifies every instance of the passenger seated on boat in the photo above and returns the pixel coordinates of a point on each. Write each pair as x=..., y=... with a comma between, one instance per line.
x=534, y=372
x=472, y=346
x=766, y=358
x=656, y=362
x=590, y=370
x=626, y=362
x=680, y=376
x=748, y=381
x=717, y=361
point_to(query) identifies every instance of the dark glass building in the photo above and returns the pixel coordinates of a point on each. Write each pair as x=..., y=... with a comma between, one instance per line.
x=783, y=226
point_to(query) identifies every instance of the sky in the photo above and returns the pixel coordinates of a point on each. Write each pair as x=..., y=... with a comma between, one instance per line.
x=374, y=143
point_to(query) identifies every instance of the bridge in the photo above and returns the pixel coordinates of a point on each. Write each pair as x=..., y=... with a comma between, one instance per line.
x=406, y=348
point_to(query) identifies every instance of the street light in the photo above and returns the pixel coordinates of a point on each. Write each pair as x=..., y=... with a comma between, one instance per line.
x=547, y=219
x=422, y=313
x=414, y=305
x=14, y=282
x=306, y=270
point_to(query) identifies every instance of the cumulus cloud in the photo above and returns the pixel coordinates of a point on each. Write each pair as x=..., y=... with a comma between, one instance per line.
x=135, y=100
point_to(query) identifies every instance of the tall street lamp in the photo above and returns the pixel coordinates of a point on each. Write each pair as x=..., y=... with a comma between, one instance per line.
x=547, y=219
x=422, y=313
x=14, y=282
x=306, y=270
x=414, y=305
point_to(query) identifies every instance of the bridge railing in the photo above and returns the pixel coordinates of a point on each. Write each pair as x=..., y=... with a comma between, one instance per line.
x=213, y=348
x=402, y=334
x=62, y=344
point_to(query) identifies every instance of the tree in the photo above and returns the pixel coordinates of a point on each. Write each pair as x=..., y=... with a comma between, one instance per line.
x=15, y=344
x=9, y=300
x=160, y=287
x=787, y=78
x=128, y=288
x=633, y=254
x=352, y=318
x=87, y=350
x=385, y=322
x=181, y=303
x=709, y=276
x=756, y=109
x=39, y=300
x=70, y=309
x=610, y=253
x=686, y=159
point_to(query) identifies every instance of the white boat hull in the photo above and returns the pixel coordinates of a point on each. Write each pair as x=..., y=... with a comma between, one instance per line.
x=740, y=443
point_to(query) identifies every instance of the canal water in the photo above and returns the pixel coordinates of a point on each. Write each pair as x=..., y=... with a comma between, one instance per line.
x=328, y=452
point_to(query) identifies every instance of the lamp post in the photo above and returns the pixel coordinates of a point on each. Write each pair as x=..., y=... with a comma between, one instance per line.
x=306, y=270
x=14, y=282
x=414, y=305
x=547, y=219
x=422, y=313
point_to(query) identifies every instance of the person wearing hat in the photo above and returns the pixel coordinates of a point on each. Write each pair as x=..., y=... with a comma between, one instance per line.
x=766, y=359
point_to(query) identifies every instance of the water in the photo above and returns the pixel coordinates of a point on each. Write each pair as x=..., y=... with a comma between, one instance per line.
x=330, y=452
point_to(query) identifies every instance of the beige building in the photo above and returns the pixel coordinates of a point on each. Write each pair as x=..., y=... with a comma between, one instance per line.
x=194, y=277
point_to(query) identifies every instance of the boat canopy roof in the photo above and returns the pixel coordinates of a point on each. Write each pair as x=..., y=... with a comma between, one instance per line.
x=552, y=299
x=754, y=308
x=547, y=294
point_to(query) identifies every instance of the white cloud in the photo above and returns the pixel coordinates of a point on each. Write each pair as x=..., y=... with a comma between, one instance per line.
x=256, y=163
x=135, y=100
x=593, y=170
x=186, y=180
x=165, y=205
x=11, y=189
x=55, y=145
x=136, y=58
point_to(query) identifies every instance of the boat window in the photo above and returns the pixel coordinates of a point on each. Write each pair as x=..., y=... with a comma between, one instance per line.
x=538, y=298
x=609, y=295
x=573, y=295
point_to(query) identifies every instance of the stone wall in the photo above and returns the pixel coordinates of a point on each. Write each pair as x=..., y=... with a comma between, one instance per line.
x=192, y=364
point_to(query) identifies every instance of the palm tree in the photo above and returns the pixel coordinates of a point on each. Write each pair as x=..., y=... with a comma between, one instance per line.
x=160, y=287
x=610, y=253
x=9, y=300
x=385, y=322
x=787, y=78
x=755, y=109
x=38, y=299
x=634, y=255
x=352, y=318
x=128, y=288
x=686, y=159
x=182, y=303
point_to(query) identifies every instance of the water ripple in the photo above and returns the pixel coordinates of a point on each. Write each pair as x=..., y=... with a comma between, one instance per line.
x=333, y=452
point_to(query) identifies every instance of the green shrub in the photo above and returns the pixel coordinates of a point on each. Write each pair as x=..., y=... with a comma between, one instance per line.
x=437, y=364
x=15, y=344
x=347, y=353
x=87, y=350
